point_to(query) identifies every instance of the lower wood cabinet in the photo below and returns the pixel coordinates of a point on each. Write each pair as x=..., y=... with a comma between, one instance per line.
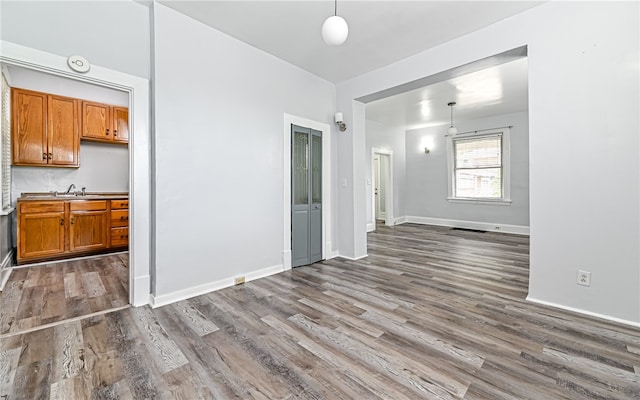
x=119, y=223
x=64, y=228
x=88, y=225
x=41, y=229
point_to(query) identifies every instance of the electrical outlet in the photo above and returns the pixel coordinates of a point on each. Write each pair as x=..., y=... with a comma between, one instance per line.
x=240, y=280
x=584, y=278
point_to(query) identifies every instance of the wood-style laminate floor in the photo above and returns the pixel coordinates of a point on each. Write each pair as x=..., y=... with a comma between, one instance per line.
x=430, y=314
x=47, y=293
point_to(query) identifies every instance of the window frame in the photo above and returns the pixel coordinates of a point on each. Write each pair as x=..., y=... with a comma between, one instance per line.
x=505, y=133
x=7, y=208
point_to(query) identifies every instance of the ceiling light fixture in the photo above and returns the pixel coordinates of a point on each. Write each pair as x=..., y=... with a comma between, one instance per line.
x=335, y=29
x=452, y=129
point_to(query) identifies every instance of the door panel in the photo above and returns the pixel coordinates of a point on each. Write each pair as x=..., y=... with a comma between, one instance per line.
x=29, y=127
x=41, y=234
x=315, y=226
x=87, y=230
x=306, y=193
x=120, y=124
x=96, y=120
x=64, y=140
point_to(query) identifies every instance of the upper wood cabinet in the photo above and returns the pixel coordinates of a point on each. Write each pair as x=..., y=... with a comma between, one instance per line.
x=104, y=123
x=44, y=129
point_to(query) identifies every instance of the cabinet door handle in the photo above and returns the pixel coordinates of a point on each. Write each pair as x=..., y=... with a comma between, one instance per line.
x=50, y=156
x=61, y=221
x=72, y=220
x=124, y=218
x=107, y=131
x=115, y=132
x=44, y=156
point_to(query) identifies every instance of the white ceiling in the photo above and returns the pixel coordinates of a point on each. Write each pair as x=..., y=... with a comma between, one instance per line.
x=380, y=32
x=501, y=89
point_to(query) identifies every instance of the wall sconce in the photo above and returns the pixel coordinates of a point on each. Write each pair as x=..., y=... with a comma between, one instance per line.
x=340, y=122
x=426, y=150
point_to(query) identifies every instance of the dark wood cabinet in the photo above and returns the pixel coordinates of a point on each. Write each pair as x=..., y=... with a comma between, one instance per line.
x=44, y=129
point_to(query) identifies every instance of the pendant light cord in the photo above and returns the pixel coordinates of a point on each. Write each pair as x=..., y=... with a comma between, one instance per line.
x=451, y=107
x=335, y=10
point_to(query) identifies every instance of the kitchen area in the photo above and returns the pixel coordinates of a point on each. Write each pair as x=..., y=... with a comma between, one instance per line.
x=67, y=227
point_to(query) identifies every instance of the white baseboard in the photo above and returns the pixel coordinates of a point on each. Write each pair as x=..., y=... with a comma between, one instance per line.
x=585, y=312
x=454, y=223
x=400, y=220
x=140, y=291
x=332, y=254
x=5, y=269
x=286, y=259
x=158, y=301
x=371, y=227
x=353, y=258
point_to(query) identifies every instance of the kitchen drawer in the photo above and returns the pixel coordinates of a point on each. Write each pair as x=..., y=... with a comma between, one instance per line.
x=119, y=218
x=120, y=204
x=88, y=205
x=119, y=237
x=41, y=206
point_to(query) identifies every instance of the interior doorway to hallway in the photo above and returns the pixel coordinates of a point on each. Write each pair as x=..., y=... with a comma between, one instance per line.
x=382, y=188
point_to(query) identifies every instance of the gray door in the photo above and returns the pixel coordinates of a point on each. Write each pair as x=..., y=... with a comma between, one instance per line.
x=306, y=195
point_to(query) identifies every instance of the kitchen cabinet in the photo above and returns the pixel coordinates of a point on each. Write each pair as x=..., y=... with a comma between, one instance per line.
x=104, y=123
x=44, y=129
x=119, y=223
x=41, y=229
x=63, y=228
x=87, y=225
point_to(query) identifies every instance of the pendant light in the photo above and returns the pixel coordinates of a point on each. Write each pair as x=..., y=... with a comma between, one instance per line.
x=335, y=29
x=452, y=129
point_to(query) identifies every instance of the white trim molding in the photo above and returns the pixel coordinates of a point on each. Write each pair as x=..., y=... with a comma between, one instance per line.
x=183, y=294
x=483, y=226
x=326, y=183
x=584, y=312
x=505, y=134
x=6, y=268
x=139, y=153
x=354, y=258
x=371, y=227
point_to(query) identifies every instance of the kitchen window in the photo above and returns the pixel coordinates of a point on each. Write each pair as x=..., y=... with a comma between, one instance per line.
x=5, y=147
x=479, y=167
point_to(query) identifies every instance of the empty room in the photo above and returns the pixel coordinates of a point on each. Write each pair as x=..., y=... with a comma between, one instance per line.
x=320, y=199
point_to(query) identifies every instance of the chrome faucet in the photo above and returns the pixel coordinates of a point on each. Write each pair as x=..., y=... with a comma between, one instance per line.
x=70, y=187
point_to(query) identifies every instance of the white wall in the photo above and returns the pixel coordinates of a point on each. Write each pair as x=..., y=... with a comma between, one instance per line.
x=583, y=121
x=390, y=138
x=112, y=34
x=427, y=189
x=219, y=152
x=103, y=167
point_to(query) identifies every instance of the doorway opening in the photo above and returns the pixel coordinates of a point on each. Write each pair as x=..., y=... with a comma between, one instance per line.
x=382, y=188
x=136, y=90
x=327, y=226
x=306, y=195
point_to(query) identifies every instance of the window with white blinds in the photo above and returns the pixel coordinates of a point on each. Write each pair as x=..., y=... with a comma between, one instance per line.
x=5, y=154
x=479, y=166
